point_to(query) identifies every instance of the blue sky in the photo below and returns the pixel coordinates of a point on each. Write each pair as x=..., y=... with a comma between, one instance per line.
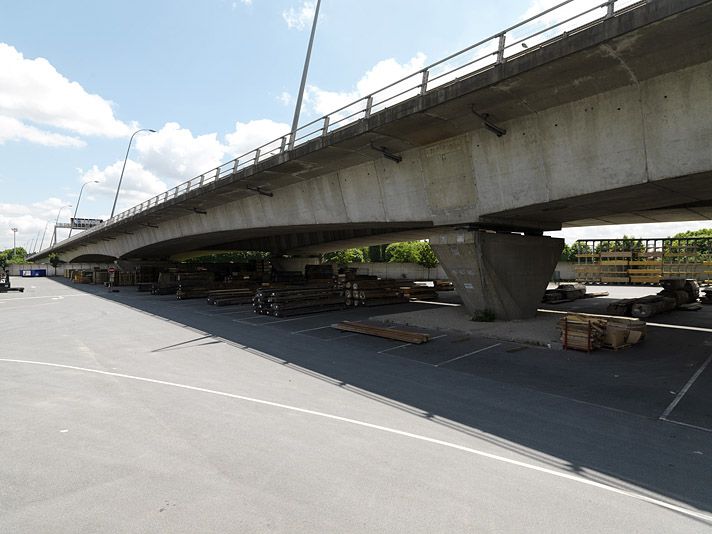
x=215, y=78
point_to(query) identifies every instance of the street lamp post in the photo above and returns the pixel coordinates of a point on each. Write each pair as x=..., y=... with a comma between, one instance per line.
x=56, y=222
x=44, y=234
x=79, y=200
x=295, y=122
x=14, y=246
x=118, y=188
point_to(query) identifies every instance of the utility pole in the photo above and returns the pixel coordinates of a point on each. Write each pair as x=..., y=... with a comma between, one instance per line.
x=14, y=234
x=295, y=122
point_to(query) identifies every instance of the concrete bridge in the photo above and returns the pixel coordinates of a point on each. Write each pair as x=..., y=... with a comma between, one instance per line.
x=610, y=123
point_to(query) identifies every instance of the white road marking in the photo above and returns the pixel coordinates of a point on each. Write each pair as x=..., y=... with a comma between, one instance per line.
x=685, y=388
x=468, y=354
x=559, y=474
x=311, y=329
x=54, y=297
x=394, y=348
x=704, y=429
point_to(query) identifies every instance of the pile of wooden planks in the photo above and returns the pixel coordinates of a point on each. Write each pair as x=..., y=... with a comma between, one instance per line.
x=444, y=285
x=287, y=302
x=231, y=297
x=569, y=293
x=581, y=332
x=375, y=292
x=419, y=292
x=379, y=331
x=590, y=332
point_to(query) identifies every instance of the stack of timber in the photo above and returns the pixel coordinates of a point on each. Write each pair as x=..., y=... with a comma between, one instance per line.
x=676, y=294
x=231, y=297
x=590, y=332
x=569, y=293
x=167, y=284
x=287, y=302
x=379, y=331
x=582, y=332
x=194, y=285
x=374, y=292
x=319, y=272
x=707, y=297
x=419, y=292
x=288, y=277
x=444, y=285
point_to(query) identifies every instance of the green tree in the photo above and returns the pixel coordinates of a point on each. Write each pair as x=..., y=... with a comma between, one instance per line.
x=16, y=255
x=343, y=257
x=403, y=252
x=238, y=256
x=426, y=255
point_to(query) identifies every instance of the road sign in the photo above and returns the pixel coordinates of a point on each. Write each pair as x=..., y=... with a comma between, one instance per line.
x=112, y=269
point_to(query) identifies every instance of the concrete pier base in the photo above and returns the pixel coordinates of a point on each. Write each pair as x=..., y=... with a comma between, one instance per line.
x=500, y=274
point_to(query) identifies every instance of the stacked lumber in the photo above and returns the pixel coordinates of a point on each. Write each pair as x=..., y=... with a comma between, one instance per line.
x=419, y=292
x=444, y=285
x=167, y=284
x=582, y=332
x=288, y=277
x=707, y=297
x=287, y=302
x=589, y=332
x=374, y=292
x=319, y=272
x=379, y=331
x=231, y=297
x=194, y=285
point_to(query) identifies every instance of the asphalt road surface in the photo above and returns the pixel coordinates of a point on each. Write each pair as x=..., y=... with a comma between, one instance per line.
x=125, y=412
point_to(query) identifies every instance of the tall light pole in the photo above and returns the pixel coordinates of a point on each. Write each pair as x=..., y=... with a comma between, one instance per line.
x=78, y=201
x=14, y=234
x=295, y=122
x=113, y=208
x=56, y=222
x=44, y=234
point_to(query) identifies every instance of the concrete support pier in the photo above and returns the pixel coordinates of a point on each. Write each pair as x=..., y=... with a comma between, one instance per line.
x=502, y=273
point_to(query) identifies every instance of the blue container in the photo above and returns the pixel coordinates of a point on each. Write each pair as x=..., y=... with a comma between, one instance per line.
x=33, y=272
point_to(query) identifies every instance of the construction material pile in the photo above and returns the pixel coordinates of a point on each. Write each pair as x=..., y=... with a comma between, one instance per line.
x=444, y=285
x=232, y=297
x=569, y=293
x=374, y=292
x=194, y=285
x=590, y=332
x=322, y=272
x=379, y=331
x=290, y=301
x=676, y=294
x=167, y=284
x=417, y=291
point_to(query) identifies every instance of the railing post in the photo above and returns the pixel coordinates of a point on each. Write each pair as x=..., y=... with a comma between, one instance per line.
x=325, y=130
x=257, y=155
x=284, y=144
x=369, y=105
x=202, y=180
x=217, y=174
x=292, y=139
x=187, y=186
x=500, y=49
x=610, y=8
x=424, y=83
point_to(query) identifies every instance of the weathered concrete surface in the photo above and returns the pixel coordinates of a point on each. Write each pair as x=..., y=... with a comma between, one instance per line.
x=608, y=124
x=505, y=274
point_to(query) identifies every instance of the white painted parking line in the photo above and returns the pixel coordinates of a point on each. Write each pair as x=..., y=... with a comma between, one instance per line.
x=468, y=354
x=394, y=348
x=311, y=329
x=394, y=431
x=688, y=425
x=685, y=388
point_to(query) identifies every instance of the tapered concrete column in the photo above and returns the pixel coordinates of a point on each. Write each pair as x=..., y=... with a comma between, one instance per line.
x=506, y=274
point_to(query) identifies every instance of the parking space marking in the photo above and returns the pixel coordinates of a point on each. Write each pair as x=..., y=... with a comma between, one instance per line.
x=685, y=388
x=468, y=354
x=311, y=329
x=390, y=430
x=407, y=344
x=688, y=425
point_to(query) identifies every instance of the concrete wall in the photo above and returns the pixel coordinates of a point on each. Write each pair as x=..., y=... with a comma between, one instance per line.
x=409, y=271
x=15, y=269
x=564, y=271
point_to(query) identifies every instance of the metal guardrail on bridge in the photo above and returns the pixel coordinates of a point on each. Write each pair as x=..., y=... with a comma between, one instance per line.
x=554, y=23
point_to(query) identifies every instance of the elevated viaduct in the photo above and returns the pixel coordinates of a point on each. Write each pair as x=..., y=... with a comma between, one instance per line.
x=607, y=124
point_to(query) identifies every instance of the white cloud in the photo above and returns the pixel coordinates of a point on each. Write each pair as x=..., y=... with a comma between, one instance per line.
x=385, y=72
x=301, y=17
x=250, y=135
x=14, y=130
x=285, y=98
x=33, y=92
x=174, y=154
x=30, y=219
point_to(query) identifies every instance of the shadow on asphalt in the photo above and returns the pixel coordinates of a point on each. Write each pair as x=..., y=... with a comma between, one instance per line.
x=601, y=443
